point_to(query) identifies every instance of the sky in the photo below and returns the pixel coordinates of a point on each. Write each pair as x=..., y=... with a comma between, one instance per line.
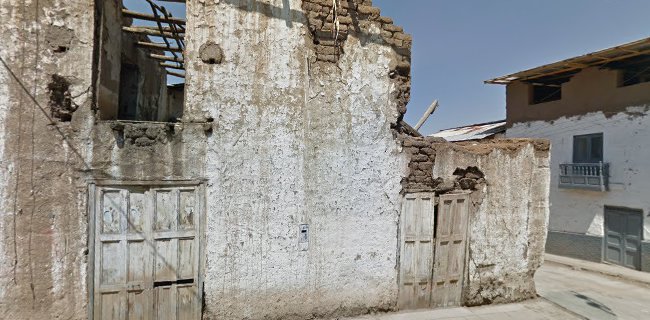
x=176, y=9
x=458, y=44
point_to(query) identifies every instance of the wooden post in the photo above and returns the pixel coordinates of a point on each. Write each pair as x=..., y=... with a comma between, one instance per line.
x=432, y=108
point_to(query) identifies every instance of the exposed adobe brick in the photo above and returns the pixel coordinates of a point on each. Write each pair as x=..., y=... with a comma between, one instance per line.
x=355, y=17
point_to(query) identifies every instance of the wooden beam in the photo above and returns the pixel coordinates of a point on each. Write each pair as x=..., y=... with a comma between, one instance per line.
x=432, y=108
x=175, y=74
x=151, y=32
x=158, y=46
x=169, y=65
x=166, y=29
x=408, y=129
x=150, y=17
x=165, y=58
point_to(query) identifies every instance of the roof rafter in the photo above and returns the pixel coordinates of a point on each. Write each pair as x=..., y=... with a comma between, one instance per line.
x=150, y=17
x=595, y=59
x=158, y=46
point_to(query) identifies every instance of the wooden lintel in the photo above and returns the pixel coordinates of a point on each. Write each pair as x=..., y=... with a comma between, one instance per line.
x=150, y=17
x=166, y=58
x=175, y=74
x=158, y=46
x=152, y=32
x=171, y=66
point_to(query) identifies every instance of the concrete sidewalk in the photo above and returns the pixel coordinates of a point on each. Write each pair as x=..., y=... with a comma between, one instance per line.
x=602, y=268
x=537, y=309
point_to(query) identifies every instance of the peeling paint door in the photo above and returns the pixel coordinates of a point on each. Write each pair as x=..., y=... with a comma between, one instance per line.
x=146, y=253
x=416, y=259
x=623, y=229
x=451, y=248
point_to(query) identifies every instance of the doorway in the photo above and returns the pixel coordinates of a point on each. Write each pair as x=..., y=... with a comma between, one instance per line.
x=433, y=253
x=146, y=252
x=623, y=233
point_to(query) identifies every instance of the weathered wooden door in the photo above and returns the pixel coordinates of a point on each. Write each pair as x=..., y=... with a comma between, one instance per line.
x=623, y=230
x=450, y=252
x=146, y=253
x=416, y=260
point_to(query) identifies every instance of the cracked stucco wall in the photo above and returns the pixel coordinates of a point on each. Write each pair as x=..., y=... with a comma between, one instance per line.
x=296, y=141
x=42, y=200
x=508, y=226
x=282, y=140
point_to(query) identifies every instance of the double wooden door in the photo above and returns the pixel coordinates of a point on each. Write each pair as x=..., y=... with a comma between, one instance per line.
x=146, y=261
x=433, y=250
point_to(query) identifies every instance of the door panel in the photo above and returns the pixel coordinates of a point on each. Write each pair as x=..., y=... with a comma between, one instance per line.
x=633, y=231
x=417, y=225
x=146, y=253
x=623, y=230
x=450, y=250
x=138, y=305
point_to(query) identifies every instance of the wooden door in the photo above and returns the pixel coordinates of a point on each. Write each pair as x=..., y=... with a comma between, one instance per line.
x=146, y=253
x=450, y=250
x=175, y=261
x=416, y=259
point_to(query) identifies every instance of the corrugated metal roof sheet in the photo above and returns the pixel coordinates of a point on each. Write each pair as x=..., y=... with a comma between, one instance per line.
x=472, y=132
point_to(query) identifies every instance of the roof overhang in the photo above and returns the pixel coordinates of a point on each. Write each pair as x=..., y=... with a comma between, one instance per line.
x=573, y=65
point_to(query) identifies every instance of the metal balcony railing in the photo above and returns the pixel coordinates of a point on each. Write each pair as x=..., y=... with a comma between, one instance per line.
x=591, y=176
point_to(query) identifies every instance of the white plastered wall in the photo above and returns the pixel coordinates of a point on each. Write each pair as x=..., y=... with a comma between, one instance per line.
x=4, y=106
x=507, y=229
x=294, y=143
x=626, y=146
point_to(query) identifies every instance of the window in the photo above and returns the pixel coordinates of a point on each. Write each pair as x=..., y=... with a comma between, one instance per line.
x=541, y=93
x=634, y=76
x=588, y=148
x=141, y=70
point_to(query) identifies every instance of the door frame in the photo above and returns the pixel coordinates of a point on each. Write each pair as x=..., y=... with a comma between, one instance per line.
x=604, y=241
x=91, y=215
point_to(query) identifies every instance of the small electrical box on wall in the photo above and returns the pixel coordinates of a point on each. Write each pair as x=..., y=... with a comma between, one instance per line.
x=303, y=237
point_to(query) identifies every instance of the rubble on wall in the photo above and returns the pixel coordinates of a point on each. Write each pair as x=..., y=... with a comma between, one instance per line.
x=143, y=134
x=422, y=156
x=60, y=102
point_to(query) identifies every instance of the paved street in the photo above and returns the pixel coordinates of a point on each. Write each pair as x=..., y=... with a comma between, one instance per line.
x=530, y=310
x=593, y=295
x=565, y=294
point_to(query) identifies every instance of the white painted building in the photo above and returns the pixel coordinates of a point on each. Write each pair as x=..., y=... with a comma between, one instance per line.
x=594, y=109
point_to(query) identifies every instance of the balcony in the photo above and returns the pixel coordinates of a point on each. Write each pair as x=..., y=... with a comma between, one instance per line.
x=589, y=176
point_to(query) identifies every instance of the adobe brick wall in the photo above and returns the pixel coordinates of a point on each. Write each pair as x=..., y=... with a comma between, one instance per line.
x=356, y=17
